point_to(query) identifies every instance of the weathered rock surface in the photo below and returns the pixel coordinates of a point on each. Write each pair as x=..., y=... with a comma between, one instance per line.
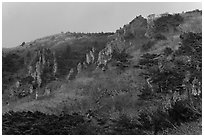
x=45, y=67
x=70, y=75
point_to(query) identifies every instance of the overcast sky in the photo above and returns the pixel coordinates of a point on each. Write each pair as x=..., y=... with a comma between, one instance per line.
x=29, y=21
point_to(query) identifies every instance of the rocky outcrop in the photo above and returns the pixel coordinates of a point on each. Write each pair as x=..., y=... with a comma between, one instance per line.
x=79, y=68
x=70, y=75
x=150, y=24
x=31, y=89
x=45, y=67
x=137, y=27
x=17, y=84
x=163, y=23
x=47, y=91
x=90, y=57
x=104, y=56
x=84, y=65
x=54, y=64
x=41, y=70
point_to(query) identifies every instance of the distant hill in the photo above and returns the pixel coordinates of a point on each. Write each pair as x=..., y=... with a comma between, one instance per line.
x=139, y=36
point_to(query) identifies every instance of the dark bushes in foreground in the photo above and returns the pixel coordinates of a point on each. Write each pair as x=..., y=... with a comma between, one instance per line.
x=148, y=122
x=161, y=119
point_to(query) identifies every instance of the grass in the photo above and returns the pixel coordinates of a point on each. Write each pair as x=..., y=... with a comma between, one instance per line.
x=191, y=128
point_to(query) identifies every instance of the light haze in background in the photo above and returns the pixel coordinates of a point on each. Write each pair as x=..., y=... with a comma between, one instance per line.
x=29, y=21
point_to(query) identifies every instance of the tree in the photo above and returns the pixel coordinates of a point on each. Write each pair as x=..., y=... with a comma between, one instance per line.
x=179, y=71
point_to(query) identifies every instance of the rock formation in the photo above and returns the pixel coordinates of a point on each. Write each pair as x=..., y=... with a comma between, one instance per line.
x=45, y=67
x=31, y=89
x=47, y=91
x=90, y=57
x=17, y=84
x=84, y=65
x=79, y=68
x=104, y=56
x=55, y=65
x=70, y=75
x=150, y=24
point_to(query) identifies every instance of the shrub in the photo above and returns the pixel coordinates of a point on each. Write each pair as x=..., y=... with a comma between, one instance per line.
x=125, y=125
x=159, y=36
x=148, y=45
x=176, y=78
x=146, y=93
x=121, y=58
x=164, y=23
x=167, y=51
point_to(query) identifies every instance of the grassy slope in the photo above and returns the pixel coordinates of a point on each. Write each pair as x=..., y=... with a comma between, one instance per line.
x=79, y=46
x=84, y=87
x=190, y=128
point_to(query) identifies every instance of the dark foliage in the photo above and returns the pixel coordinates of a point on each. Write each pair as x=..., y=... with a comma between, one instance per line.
x=125, y=125
x=148, y=45
x=148, y=60
x=128, y=35
x=173, y=72
x=159, y=36
x=146, y=93
x=167, y=22
x=37, y=123
x=160, y=119
x=167, y=51
x=121, y=58
x=23, y=44
x=12, y=63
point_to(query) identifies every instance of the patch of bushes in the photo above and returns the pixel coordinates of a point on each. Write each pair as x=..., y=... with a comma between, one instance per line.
x=148, y=45
x=150, y=121
x=12, y=63
x=167, y=22
x=129, y=35
x=161, y=119
x=176, y=74
x=37, y=123
x=121, y=58
x=125, y=125
x=159, y=36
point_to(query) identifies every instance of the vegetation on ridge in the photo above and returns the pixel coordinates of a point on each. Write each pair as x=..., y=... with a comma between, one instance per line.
x=147, y=85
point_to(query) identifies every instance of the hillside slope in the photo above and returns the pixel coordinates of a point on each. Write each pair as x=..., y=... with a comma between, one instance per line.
x=143, y=79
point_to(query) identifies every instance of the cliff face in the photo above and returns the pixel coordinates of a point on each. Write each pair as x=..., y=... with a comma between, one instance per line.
x=150, y=24
x=124, y=38
x=44, y=69
x=104, y=57
x=70, y=75
x=41, y=70
x=90, y=56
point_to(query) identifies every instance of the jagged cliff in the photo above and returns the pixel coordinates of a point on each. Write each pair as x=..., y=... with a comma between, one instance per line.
x=138, y=33
x=41, y=70
x=44, y=68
